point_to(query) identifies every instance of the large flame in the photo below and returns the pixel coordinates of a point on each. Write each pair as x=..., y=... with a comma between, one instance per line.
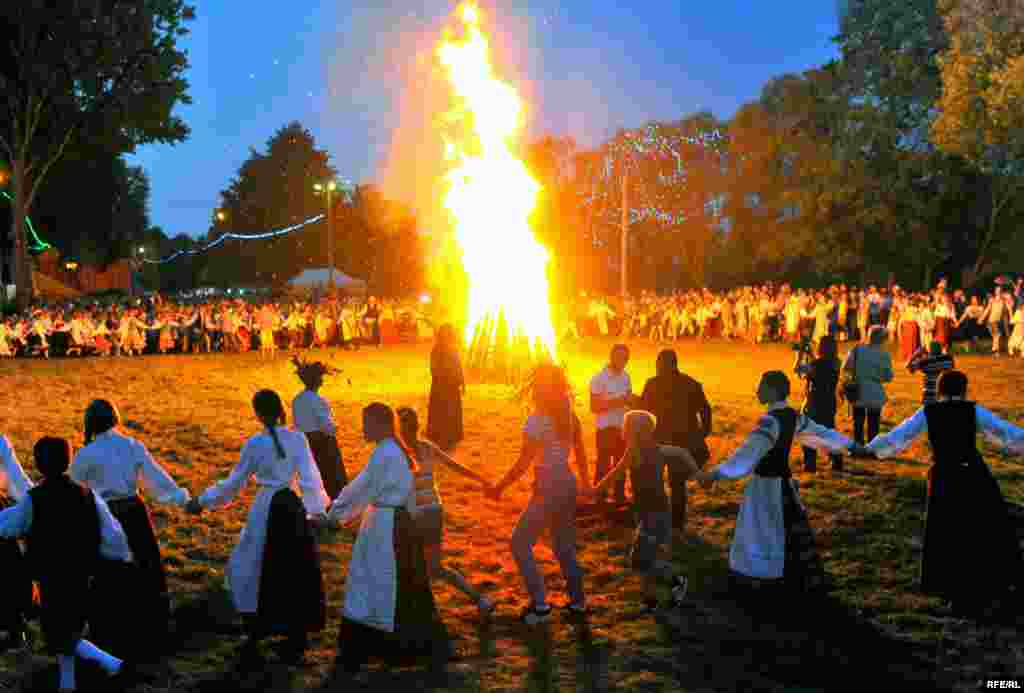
x=491, y=194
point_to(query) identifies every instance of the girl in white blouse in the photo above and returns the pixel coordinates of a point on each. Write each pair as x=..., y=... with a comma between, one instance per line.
x=115, y=466
x=274, y=571
x=389, y=609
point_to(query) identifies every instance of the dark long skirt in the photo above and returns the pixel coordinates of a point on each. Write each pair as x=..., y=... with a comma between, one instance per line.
x=15, y=582
x=419, y=632
x=970, y=551
x=328, y=461
x=444, y=415
x=132, y=599
x=291, y=595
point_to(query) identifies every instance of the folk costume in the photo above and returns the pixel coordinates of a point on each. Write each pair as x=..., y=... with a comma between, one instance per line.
x=15, y=578
x=274, y=571
x=971, y=553
x=114, y=466
x=312, y=416
x=389, y=610
x=774, y=543
x=69, y=531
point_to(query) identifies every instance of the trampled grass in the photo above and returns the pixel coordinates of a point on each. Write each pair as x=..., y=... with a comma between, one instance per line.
x=193, y=413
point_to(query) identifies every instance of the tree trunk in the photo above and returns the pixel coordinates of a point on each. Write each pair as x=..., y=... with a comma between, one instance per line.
x=22, y=263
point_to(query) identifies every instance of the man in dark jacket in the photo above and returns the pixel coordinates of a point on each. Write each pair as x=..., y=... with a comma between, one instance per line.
x=684, y=420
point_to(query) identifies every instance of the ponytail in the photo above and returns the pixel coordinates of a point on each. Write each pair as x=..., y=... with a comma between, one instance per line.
x=277, y=443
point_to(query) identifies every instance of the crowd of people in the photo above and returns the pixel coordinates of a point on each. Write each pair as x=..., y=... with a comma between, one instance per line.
x=163, y=326
x=782, y=313
x=95, y=556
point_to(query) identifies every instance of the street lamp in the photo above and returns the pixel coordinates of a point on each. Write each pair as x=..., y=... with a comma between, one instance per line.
x=327, y=189
x=221, y=216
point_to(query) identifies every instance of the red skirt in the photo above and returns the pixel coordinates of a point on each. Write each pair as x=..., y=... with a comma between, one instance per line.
x=910, y=339
x=943, y=332
x=388, y=332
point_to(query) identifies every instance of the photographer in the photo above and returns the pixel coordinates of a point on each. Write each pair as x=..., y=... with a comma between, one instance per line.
x=822, y=377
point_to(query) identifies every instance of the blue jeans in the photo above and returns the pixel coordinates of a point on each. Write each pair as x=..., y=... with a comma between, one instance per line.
x=554, y=510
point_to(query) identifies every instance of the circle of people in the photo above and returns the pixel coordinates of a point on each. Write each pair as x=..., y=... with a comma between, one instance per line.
x=781, y=313
x=93, y=552
x=162, y=326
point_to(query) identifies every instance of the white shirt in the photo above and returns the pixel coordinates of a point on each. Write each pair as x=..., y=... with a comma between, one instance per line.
x=12, y=476
x=763, y=438
x=998, y=431
x=311, y=413
x=611, y=386
x=113, y=464
x=17, y=522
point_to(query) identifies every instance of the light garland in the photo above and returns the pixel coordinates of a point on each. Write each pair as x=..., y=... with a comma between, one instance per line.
x=652, y=143
x=239, y=237
x=40, y=244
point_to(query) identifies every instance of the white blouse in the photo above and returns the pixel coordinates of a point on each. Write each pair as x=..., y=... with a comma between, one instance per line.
x=259, y=462
x=311, y=413
x=12, y=477
x=763, y=438
x=997, y=430
x=114, y=464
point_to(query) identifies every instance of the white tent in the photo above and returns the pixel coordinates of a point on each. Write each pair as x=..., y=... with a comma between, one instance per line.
x=319, y=277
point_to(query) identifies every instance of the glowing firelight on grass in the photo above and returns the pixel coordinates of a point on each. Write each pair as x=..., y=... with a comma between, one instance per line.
x=491, y=195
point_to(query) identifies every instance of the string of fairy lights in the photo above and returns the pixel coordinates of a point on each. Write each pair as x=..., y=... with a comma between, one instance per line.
x=236, y=236
x=346, y=189
x=663, y=146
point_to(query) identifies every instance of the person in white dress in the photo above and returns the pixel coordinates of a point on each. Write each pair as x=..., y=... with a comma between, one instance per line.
x=389, y=610
x=1016, y=344
x=115, y=466
x=773, y=543
x=68, y=529
x=15, y=579
x=274, y=571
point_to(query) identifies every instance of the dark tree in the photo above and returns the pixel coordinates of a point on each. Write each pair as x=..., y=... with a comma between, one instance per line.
x=76, y=71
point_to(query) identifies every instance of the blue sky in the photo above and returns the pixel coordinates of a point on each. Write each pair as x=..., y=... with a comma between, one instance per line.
x=353, y=73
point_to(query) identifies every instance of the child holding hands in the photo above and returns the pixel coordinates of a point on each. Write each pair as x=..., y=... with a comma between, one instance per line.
x=646, y=462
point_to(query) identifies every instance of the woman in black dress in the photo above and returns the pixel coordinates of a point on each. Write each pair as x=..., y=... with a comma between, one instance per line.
x=971, y=555
x=444, y=416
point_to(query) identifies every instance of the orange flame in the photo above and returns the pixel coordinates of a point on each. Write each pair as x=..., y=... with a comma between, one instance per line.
x=491, y=193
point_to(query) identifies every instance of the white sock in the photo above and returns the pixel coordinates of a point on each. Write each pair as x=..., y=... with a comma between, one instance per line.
x=108, y=662
x=66, y=668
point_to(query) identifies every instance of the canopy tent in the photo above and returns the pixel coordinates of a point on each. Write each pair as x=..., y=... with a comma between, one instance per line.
x=319, y=277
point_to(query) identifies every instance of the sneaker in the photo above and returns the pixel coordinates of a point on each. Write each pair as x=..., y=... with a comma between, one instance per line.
x=679, y=588
x=487, y=607
x=534, y=615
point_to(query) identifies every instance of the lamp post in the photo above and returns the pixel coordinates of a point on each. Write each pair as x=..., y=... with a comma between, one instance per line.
x=328, y=189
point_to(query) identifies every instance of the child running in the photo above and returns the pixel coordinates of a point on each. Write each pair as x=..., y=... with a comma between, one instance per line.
x=429, y=514
x=646, y=461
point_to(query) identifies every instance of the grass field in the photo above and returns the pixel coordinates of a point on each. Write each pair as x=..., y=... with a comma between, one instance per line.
x=193, y=413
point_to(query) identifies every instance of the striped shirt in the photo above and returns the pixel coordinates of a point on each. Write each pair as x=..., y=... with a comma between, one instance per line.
x=931, y=367
x=427, y=496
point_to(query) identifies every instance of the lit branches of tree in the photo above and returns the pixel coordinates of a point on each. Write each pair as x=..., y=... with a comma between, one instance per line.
x=103, y=71
x=660, y=172
x=981, y=110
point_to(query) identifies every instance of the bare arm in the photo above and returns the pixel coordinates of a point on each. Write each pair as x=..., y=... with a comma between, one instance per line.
x=449, y=462
x=529, y=451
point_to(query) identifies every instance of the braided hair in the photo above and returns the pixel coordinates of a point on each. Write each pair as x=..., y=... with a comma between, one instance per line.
x=270, y=410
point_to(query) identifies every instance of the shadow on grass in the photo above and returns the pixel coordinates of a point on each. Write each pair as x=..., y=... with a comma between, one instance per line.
x=761, y=642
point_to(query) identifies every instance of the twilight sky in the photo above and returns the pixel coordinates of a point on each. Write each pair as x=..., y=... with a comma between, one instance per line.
x=355, y=74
